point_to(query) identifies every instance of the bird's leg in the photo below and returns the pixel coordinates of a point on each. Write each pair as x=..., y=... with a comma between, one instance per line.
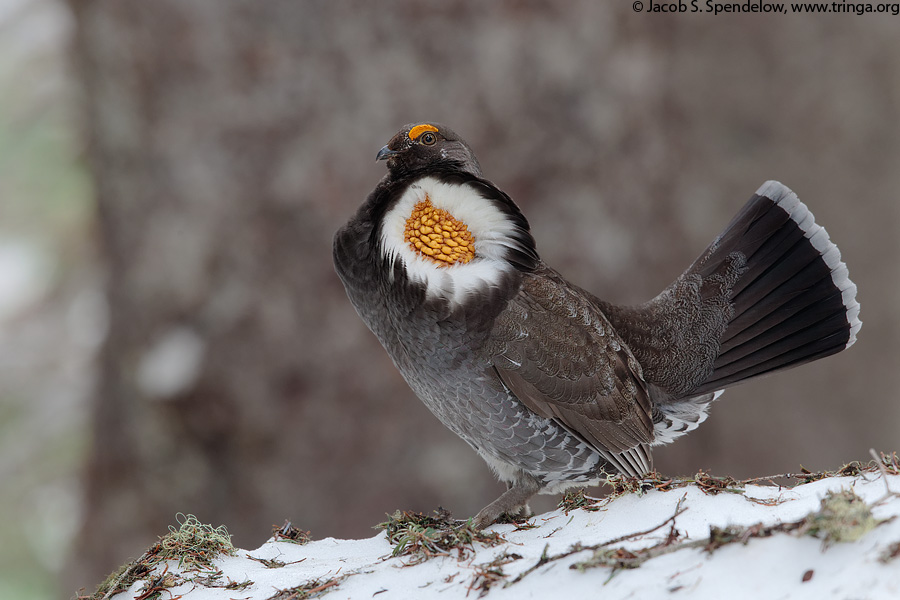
x=511, y=502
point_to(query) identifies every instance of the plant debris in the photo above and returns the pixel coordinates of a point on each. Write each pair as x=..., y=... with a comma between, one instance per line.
x=622, y=485
x=238, y=585
x=843, y=517
x=214, y=580
x=122, y=578
x=193, y=544
x=289, y=533
x=518, y=519
x=577, y=499
x=890, y=553
x=156, y=585
x=710, y=484
x=311, y=589
x=421, y=537
x=269, y=563
x=576, y=548
x=490, y=573
x=525, y=525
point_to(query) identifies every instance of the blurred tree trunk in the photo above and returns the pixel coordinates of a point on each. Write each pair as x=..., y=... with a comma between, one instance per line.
x=229, y=139
x=223, y=390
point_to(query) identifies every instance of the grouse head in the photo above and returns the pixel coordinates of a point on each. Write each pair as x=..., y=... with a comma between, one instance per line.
x=428, y=146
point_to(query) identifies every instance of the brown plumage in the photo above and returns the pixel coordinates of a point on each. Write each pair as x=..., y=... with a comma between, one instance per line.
x=552, y=386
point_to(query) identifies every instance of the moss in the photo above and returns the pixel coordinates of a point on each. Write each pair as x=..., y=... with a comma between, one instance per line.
x=421, y=537
x=193, y=544
x=842, y=517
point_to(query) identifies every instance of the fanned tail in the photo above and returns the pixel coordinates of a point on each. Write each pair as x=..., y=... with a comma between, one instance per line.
x=793, y=303
x=768, y=294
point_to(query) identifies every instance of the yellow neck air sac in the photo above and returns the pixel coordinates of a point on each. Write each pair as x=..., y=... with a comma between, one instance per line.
x=436, y=235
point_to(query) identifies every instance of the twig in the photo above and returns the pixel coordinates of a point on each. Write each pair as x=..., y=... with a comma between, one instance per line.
x=884, y=475
x=575, y=549
x=678, y=511
x=113, y=588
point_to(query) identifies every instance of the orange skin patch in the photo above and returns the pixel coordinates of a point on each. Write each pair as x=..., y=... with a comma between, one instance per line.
x=436, y=235
x=420, y=129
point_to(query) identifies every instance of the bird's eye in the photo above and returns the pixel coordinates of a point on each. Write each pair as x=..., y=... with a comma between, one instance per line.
x=428, y=138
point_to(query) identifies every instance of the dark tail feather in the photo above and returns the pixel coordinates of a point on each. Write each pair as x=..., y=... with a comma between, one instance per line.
x=793, y=302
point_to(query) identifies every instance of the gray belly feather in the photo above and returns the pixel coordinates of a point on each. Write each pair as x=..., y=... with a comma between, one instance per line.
x=458, y=384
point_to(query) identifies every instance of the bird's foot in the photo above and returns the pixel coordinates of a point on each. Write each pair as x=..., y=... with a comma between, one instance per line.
x=513, y=502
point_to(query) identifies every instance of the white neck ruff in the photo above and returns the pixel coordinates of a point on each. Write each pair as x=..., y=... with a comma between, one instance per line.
x=493, y=231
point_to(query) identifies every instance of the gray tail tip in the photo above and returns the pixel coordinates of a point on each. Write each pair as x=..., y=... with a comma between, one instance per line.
x=786, y=199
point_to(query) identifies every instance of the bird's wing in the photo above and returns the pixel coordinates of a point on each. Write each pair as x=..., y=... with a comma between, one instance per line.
x=559, y=355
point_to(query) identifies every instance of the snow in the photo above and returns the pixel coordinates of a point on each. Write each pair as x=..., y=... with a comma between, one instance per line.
x=778, y=564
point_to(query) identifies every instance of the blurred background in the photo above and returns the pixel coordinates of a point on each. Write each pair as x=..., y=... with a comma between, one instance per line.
x=173, y=337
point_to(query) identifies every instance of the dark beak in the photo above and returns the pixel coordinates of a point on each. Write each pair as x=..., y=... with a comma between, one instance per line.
x=385, y=153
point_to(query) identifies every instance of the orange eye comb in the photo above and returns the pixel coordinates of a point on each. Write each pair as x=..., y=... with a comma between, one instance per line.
x=420, y=129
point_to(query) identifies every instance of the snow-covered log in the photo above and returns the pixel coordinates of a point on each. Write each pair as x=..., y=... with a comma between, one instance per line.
x=834, y=537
